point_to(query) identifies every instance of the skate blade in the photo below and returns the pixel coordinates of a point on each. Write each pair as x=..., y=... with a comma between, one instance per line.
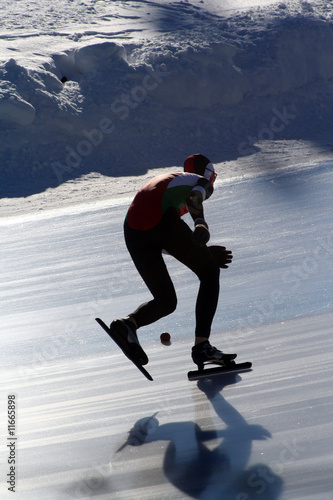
x=131, y=349
x=134, y=361
x=220, y=370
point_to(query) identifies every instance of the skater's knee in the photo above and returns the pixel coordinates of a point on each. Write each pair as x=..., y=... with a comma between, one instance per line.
x=167, y=303
x=209, y=272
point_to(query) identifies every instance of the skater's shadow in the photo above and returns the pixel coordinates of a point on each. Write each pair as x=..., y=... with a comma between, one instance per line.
x=211, y=463
x=258, y=481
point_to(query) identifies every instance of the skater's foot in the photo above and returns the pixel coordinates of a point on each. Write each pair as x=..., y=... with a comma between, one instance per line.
x=125, y=331
x=206, y=353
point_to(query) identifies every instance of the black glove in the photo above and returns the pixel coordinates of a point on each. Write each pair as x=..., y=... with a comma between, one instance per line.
x=201, y=233
x=222, y=256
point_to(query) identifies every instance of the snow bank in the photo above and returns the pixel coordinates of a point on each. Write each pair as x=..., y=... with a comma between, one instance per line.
x=212, y=83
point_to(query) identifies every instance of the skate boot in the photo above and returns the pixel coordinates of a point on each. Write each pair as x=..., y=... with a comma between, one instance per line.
x=205, y=353
x=125, y=332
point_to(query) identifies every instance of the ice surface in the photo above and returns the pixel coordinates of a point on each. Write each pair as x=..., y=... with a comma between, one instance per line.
x=249, y=83
x=89, y=425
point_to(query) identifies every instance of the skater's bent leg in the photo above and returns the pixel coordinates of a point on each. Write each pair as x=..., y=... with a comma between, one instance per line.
x=207, y=300
x=149, y=262
x=199, y=259
x=163, y=303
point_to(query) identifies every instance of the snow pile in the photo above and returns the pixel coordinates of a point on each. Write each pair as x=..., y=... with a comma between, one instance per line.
x=93, y=87
x=200, y=81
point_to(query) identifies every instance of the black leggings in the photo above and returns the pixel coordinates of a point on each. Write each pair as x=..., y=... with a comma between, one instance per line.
x=173, y=235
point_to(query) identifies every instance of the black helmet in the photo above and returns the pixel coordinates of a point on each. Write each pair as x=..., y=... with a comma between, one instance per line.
x=200, y=165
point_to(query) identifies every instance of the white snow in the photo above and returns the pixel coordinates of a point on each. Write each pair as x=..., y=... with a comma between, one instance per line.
x=148, y=81
x=249, y=84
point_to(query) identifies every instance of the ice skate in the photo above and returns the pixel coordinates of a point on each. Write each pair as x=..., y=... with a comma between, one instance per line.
x=124, y=332
x=204, y=353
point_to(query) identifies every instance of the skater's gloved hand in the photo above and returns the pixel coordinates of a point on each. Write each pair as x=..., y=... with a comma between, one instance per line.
x=222, y=256
x=201, y=232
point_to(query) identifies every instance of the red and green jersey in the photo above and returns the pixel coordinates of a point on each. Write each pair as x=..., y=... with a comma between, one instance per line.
x=161, y=193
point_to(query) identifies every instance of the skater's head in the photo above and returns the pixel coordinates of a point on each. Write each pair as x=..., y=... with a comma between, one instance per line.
x=200, y=165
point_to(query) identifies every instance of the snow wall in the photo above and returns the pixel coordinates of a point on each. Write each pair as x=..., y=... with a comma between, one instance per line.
x=216, y=86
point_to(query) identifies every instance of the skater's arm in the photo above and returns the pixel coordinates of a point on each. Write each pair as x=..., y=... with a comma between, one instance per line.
x=200, y=192
x=195, y=208
x=194, y=205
